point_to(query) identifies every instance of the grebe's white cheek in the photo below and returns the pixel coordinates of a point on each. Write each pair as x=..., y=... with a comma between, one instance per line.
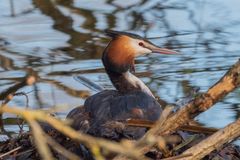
x=143, y=51
x=139, y=50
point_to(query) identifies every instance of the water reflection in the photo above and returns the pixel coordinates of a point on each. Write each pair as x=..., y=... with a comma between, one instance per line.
x=60, y=40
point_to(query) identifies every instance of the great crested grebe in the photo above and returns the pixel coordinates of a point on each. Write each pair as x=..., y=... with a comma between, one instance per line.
x=102, y=112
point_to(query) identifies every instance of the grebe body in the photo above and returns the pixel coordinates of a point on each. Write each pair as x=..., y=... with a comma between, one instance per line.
x=102, y=114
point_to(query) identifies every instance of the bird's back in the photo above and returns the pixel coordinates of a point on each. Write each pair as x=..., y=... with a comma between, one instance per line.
x=103, y=113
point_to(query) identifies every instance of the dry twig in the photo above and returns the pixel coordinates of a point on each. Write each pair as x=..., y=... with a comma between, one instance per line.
x=29, y=80
x=10, y=152
x=227, y=134
x=8, y=94
x=40, y=140
x=229, y=82
x=60, y=149
x=87, y=140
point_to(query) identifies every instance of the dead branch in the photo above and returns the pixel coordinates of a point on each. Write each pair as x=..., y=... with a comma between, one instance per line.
x=229, y=82
x=68, y=90
x=8, y=94
x=178, y=157
x=190, y=128
x=29, y=80
x=60, y=149
x=89, y=141
x=10, y=152
x=40, y=140
x=227, y=134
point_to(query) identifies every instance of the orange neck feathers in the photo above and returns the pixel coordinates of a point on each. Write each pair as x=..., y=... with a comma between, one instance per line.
x=119, y=55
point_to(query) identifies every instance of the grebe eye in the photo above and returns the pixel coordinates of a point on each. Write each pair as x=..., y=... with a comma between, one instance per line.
x=140, y=43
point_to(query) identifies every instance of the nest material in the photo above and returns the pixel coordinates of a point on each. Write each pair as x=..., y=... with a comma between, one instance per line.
x=177, y=143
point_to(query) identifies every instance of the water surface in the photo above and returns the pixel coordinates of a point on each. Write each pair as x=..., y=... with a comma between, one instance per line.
x=59, y=40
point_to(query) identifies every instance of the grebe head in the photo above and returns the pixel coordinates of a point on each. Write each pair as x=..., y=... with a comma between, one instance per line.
x=124, y=47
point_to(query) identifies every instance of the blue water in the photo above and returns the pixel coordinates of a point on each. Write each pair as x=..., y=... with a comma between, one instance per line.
x=60, y=40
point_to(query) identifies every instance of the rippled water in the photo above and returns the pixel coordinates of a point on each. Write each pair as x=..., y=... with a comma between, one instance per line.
x=60, y=40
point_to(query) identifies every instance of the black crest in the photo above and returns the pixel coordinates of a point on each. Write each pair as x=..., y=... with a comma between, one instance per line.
x=116, y=34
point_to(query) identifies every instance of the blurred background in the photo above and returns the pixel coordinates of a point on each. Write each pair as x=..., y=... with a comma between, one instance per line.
x=62, y=39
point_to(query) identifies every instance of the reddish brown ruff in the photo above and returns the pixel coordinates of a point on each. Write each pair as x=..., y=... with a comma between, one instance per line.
x=120, y=52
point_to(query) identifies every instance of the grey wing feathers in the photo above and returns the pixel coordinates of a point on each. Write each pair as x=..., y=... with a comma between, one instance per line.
x=80, y=119
x=104, y=112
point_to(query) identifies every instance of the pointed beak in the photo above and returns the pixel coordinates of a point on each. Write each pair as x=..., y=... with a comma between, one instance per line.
x=164, y=51
x=156, y=49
